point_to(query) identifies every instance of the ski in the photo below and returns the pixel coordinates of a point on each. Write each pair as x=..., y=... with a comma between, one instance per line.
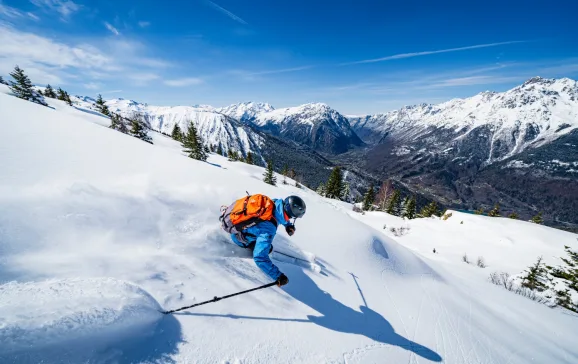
x=286, y=258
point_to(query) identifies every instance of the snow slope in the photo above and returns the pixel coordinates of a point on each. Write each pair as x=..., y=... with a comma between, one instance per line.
x=84, y=210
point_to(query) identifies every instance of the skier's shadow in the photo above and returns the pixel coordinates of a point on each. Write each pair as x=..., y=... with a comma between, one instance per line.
x=338, y=317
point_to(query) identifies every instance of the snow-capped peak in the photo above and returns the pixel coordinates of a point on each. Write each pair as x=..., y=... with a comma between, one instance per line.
x=538, y=111
x=246, y=111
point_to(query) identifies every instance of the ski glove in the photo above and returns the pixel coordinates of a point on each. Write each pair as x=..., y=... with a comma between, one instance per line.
x=290, y=229
x=282, y=280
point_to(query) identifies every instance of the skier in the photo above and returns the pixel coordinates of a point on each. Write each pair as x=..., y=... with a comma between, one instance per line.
x=252, y=222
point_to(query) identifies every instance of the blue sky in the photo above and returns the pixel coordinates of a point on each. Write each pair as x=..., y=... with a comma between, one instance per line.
x=358, y=56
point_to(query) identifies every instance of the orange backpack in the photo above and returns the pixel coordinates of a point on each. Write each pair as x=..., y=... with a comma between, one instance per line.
x=247, y=212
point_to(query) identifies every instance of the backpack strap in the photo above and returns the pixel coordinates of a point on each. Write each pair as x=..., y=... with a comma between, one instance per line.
x=244, y=211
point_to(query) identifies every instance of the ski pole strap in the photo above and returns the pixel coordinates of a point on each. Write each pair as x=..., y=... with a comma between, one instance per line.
x=215, y=299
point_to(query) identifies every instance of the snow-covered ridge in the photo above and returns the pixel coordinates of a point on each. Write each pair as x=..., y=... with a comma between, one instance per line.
x=246, y=111
x=214, y=127
x=315, y=124
x=309, y=114
x=546, y=102
x=534, y=113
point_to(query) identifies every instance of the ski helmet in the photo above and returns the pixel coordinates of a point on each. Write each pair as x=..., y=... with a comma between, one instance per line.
x=294, y=206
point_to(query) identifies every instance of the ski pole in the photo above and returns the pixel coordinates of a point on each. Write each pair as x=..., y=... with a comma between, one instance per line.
x=215, y=299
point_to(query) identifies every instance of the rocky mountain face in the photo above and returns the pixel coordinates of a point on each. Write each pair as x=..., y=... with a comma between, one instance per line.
x=315, y=125
x=513, y=147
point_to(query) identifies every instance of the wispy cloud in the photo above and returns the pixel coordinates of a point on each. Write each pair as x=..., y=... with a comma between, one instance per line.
x=111, y=92
x=283, y=70
x=64, y=7
x=142, y=78
x=182, y=82
x=112, y=29
x=144, y=24
x=92, y=86
x=57, y=62
x=38, y=49
x=473, y=80
x=9, y=12
x=33, y=16
x=226, y=12
x=254, y=75
x=426, y=53
x=427, y=84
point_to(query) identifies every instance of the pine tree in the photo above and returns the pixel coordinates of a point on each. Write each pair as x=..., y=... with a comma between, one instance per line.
x=138, y=130
x=393, y=203
x=249, y=158
x=22, y=88
x=177, y=134
x=269, y=175
x=569, y=274
x=220, y=149
x=538, y=219
x=495, y=212
x=570, y=271
x=564, y=299
x=513, y=215
x=206, y=149
x=410, y=208
x=430, y=210
x=321, y=189
x=292, y=174
x=49, y=92
x=193, y=144
x=333, y=188
x=435, y=211
x=402, y=206
x=368, y=199
x=535, y=276
x=69, y=101
x=101, y=106
x=2, y=82
x=116, y=123
x=479, y=211
x=231, y=155
x=346, y=192
x=61, y=95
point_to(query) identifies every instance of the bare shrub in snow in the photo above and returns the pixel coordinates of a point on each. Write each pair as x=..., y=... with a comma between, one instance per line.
x=503, y=279
x=465, y=259
x=481, y=262
x=446, y=216
x=357, y=208
x=400, y=231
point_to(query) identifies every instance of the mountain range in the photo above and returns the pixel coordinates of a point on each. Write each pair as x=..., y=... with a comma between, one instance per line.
x=516, y=148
